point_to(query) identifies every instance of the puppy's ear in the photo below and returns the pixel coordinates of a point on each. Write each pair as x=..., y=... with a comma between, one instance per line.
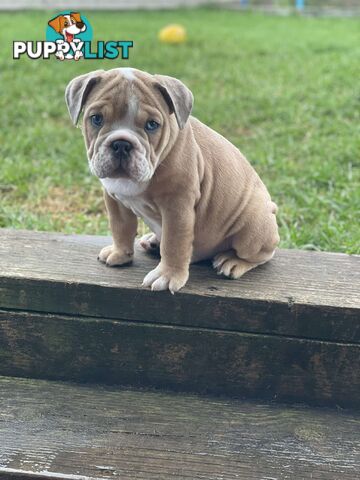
x=55, y=23
x=77, y=92
x=178, y=97
x=76, y=16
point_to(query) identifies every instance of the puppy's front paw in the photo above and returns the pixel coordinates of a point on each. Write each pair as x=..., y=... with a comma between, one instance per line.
x=163, y=278
x=113, y=257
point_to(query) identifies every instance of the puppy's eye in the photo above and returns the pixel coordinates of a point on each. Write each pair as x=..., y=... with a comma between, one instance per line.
x=97, y=120
x=151, y=125
x=66, y=24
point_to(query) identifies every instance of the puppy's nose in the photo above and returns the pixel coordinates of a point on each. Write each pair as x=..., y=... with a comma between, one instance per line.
x=79, y=24
x=122, y=148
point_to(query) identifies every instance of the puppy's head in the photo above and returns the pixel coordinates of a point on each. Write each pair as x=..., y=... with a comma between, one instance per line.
x=68, y=25
x=131, y=119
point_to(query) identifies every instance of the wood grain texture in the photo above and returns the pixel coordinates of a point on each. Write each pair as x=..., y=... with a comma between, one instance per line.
x=80, y=432
x=301, y=294
x=86, y=349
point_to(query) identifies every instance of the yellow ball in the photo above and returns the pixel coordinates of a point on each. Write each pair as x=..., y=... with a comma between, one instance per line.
x=172, y=34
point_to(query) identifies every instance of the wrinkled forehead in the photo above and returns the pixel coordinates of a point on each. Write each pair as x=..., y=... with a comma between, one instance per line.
x=125, y=90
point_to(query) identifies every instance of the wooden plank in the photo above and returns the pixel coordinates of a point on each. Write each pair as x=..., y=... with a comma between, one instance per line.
x=58, y=430
x=179, y=358
x=301, y=294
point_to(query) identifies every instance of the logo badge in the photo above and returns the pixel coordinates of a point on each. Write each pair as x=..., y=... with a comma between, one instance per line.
x=71, y=28
x=68, y=37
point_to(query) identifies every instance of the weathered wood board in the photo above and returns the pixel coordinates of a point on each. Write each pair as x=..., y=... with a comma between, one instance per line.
x=179, y=358
x=274, y=334
x=64, y=431
x=300, y=294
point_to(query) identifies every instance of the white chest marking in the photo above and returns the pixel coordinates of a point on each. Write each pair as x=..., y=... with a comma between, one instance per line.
x=129, y=194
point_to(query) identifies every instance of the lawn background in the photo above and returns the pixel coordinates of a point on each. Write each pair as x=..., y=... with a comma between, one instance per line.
x=285, y=90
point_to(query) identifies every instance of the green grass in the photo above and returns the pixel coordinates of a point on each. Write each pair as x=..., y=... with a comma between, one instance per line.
x=284, y=90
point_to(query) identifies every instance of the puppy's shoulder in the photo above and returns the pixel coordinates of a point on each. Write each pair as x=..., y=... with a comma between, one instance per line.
x=210, y=140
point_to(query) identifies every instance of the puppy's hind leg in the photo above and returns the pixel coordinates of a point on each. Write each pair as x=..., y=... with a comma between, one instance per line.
x=229, y=264
x=242, y=258
x=251, y=248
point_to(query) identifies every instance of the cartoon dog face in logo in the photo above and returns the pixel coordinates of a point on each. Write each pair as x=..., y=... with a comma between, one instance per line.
x=68, y=26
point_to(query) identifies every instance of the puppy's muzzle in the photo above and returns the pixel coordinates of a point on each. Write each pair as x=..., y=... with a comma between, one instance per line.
x=121, y=154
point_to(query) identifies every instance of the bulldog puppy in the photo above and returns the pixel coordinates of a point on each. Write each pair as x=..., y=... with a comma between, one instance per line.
x=195, y=190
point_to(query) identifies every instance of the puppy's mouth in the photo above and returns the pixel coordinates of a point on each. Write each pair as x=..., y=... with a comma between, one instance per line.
x=118, y=173
x=126, y=170
x=69, y=37
x=111, y=168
